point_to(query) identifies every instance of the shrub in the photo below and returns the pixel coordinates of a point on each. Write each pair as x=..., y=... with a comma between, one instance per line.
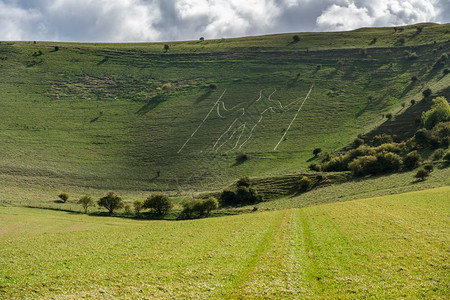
x=212, y=86
x=439, y=112
x=244, y=181
x=296, y=38
x=56, y=48
x=305, y=184
x=389, y=162
x=422, y=136
x=437, y=154
x=429, y=168
x=242, y=196
x=391, y=147
x=413, y=101
x=381, y=139
x=414, y=78
x=422, y=174
x=401, y=40
x=446, y=71
x=389, y=116
x=242, y=157
x=111, y=202
x=446, y=157
x=363, y=165
x=419, y=29
x=127, y=209
x=412, y=160
x=166, y=48
x=64, y=197
x=335, y=164
x=427, y=92
x=357, y=142
x=317, y=151
x=86, y=201
x=314, y=167
x=138, y=206
x=198, y=208
x=160, y=204
x=228, y=197
x=202, y=39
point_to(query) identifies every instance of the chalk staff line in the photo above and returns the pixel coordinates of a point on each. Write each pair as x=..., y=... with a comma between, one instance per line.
x=298, y=111
x=212, y=108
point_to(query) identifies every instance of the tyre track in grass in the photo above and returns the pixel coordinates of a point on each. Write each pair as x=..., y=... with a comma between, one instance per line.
x=231, y=289
x=311, y=267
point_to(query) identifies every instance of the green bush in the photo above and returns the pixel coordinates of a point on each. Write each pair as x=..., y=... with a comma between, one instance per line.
x=160, y=204
x=438, y=154
x=244, y=181
x=381, y=139
x=138, y=206
x=439, y=112
x=426, y=93
x=127, y=209
x=86, y=201
x=64, y=197
x=412, y=160
x=389, y=162
x=242, y=196
x=316, y=151
x=422, y=174
x=422, y=137
x=198, y=208
x=314, y=167
x=446, y=157
x=428, y=167
x=111, y=202
x=364, y=165
x=305, y=184
x=335, y=164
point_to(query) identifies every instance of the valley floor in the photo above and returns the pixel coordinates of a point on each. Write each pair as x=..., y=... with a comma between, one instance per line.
x=395, y=246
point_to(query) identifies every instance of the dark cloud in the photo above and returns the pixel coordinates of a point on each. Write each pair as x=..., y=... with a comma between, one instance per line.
x=156, y=20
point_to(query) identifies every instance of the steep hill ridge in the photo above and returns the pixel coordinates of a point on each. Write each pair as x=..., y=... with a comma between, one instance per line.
x=110, y=116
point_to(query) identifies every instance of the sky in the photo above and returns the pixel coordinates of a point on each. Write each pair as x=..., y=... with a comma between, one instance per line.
x=174, y=20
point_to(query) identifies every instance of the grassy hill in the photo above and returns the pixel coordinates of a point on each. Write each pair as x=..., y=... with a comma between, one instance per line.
x=387, y=247
x=86, y=117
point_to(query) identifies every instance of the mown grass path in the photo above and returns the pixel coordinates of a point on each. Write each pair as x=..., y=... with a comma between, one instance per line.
x=396, y=246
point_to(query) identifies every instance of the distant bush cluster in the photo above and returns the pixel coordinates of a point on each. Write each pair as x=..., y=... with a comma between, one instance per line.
x=242, y=194
x=382, y=155
x=158, y=205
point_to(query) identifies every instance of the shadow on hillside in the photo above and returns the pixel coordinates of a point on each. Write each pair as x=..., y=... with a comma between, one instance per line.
x=152, y=103
x=105, y=59
x=204, y=96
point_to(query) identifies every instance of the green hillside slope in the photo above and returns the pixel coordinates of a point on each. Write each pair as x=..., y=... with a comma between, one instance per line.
x=110, y=116
x=388, y=247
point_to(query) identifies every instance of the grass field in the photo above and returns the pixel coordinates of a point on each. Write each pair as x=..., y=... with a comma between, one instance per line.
x=394, y=246
x=109, y=116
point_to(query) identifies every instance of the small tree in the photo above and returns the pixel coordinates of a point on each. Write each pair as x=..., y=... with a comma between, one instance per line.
x=422, y=174
x=160, y=204
x=138, y=206
x=64, y=197
x=412, y=160
x=86, y=201
x=296, y=38
x=244, y=181
x=427, y=93
x=111, y=202
x=166, y=48
x=439, y=112
x=317, y=151
x=305, y=184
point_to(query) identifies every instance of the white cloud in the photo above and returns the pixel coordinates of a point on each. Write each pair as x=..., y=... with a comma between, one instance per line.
x=153, y=20
x=363, y=13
